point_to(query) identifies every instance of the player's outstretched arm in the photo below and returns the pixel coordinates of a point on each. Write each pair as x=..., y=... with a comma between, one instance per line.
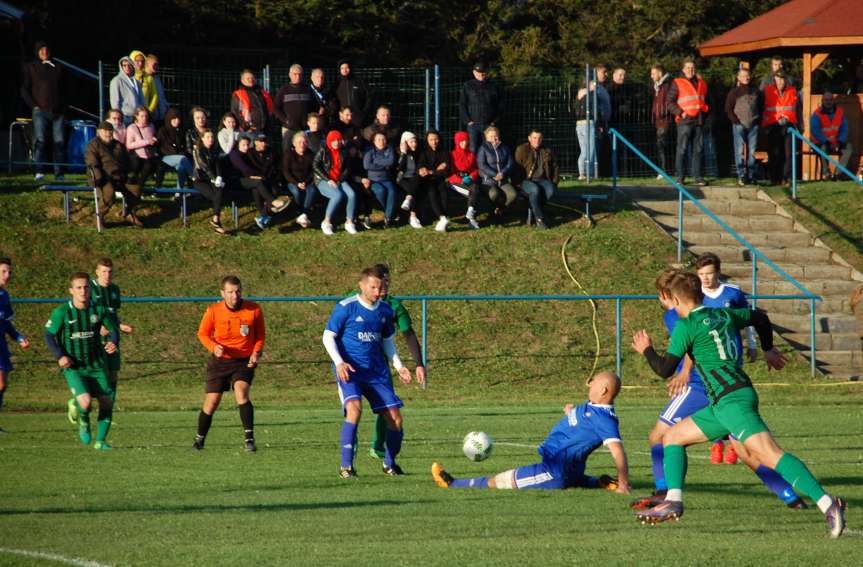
x=764, y=328
x=416, y=353
x=622, y=466
x=665, y=365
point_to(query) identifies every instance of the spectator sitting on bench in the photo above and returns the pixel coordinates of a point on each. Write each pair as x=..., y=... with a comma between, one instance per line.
x=106, y=161
x=465, y=175
x=199, y=124
x=115, y=117
x=495, y=162
x=379, y=162
x=434, y=167
x=297, y=165
x=537, y=172
x=315, y=137
x=254, y=179
x=383, y=123
x=208, y=176
x=407, y=175
x=829, y=127
x=228, y=133
x=142, y=144
x=172, y=145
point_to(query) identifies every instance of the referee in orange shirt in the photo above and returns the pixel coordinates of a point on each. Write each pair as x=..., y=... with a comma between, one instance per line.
x=233, y=331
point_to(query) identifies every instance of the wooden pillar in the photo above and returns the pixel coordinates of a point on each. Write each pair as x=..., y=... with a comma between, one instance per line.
x=811, y=62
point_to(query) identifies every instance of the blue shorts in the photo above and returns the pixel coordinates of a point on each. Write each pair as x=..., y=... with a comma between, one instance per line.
x=683, y=405
x=5, y=357
x=380, y=396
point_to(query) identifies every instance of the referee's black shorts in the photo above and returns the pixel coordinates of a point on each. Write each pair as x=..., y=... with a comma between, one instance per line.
x=223, y=372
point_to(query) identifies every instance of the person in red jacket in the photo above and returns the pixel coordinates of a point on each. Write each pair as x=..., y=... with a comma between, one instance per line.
x=251, y=103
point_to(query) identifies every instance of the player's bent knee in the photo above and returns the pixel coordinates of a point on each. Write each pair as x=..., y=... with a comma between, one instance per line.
x=655, y=435
x=353, y=410
x=504, y=480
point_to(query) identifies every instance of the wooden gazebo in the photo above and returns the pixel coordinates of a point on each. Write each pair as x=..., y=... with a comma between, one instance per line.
x=813, y=30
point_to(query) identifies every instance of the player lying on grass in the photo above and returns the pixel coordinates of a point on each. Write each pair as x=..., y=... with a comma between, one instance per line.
x=689, y=396
x=565, y=451
x=73, y=336
x=360, y=337
x=705, y=334
x=7, y=327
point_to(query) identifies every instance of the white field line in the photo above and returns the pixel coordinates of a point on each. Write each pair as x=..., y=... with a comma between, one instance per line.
x=53, y=557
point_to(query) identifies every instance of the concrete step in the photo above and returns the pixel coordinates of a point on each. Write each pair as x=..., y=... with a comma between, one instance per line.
x=702, y=223
x=824, y=322
x=739, y=270
x=797, y=254
x=669, y=193
x=825, y=288
x=843, y=358
x=838, y=372
x=714, y=237
x=824, y=341
x=795, y=307
x=719, y=207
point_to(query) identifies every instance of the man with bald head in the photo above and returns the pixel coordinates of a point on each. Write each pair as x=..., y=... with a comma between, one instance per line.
x=583, y=429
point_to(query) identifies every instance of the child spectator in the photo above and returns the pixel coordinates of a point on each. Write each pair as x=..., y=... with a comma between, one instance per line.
x=228, y=133
x=407, y=175
x=314, y=135
x=465, y=175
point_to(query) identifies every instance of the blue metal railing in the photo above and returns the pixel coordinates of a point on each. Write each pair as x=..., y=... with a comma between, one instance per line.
x=756, y=253
x=424, y=301
x=795, y=135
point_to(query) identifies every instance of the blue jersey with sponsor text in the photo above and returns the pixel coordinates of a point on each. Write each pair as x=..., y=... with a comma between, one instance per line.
x=360, y=331
x=577, y=435
x=7, y=316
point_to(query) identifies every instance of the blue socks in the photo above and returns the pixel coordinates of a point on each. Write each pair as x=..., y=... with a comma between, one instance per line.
x=481, y=482
x=393, y=446
x=347, y=440
x=776, y=484
x=657, y=454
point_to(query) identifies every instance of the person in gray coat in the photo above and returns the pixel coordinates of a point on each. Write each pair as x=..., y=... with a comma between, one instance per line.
x=125, y=91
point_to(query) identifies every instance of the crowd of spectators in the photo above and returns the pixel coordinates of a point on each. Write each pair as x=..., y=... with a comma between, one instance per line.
x=313, y=142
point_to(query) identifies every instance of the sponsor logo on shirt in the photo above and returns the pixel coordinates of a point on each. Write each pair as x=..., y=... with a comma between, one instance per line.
x=359, y=319
x=368, y=336
x=83, y=335
x=94, y=318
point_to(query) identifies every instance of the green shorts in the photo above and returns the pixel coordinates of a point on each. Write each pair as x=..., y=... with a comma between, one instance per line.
x=735, y=414
x=93, y=381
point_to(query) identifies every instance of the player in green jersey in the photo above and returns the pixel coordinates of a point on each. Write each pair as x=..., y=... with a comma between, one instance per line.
x=73, y=336
x=405, y=327
x=104, y=292
x=707, y=335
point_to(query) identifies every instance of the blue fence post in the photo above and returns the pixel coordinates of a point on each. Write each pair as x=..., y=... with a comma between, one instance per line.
x=437, y=97
x=754, y=281
x=101, y=92
x=812, y=348
x=425, y=337
x=428, y=100
x=617, y=333
x=793, y=166
x=679, y=228
x=613, y=164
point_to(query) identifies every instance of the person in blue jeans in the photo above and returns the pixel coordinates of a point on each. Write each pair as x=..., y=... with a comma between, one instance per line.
x=172, y=147
x=297, y=165
x=331, y=178
x=378, y=163
x=537, y=172
x=40, y=89
x=743, y=108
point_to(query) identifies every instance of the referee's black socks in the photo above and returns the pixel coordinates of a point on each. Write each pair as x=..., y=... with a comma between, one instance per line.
x=247, y=416
x=204, y=422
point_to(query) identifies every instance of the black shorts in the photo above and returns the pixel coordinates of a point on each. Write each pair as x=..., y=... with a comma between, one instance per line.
x=223, y=372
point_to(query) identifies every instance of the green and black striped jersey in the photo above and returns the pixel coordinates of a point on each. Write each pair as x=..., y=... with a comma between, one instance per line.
x=109, y=298
x=709, y=335
x=78, y=333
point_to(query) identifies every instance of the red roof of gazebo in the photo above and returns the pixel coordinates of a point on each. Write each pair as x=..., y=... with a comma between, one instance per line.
x=798, y=23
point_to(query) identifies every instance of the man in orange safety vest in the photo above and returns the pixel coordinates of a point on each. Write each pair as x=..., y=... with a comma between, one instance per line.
x=687, y=102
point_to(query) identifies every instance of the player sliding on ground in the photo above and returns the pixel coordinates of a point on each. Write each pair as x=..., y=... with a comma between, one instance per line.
x=360, y=337
x=73, y=336
x=565, y=451
x=688, y=396
x=707, y=334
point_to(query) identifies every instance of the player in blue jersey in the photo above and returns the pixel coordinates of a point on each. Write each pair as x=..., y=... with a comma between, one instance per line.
x=564, y=452
x=688, y=395
x=717, y=293
x=7, y=327
x=360, y=337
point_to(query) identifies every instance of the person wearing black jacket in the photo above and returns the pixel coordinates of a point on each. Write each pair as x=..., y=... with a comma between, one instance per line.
x=743, y=108
x=433, y=167
x=352, y=92
x=40, y=89
x=292, y=104
x=208, y=175
x=172, y=147
x=255, y=172
x=479, y=105
x=297, y=164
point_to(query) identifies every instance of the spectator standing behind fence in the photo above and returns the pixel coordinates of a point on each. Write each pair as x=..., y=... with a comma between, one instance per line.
x=480, y=104
x=585, y=128
x=407, y=175
x=154, y=91
x=743, y=108
x=208, y=176
x=172, y=146
x=40, y=90
x=829, y=128
x=383, y=123
x=253, y=178
x=433, y=165
x=659, y=112
x=297, y=167
x=323, y=96
x=776, y=65
x=106, y=161
x=139, y=61
x=687, y=101
x=331, y=177
x=379, y=162
x=781, y=111
x=622, y=119
x=228, y=133
x=537, y=172
x=495, y=164
x=353, y=92
x=125, y=90
x=143, y=149
x=293, y=103
x=115, y=117
x=251, y=104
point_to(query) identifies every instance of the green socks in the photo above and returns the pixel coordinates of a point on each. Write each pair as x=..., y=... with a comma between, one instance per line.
x=798, y=476
x=674, y=465
x=380, y=435
x=104, y=423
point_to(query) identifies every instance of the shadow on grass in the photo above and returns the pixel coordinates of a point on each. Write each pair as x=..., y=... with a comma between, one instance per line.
x=853, y=239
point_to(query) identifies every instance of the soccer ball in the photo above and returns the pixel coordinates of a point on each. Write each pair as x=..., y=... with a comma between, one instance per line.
x=477, y=445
